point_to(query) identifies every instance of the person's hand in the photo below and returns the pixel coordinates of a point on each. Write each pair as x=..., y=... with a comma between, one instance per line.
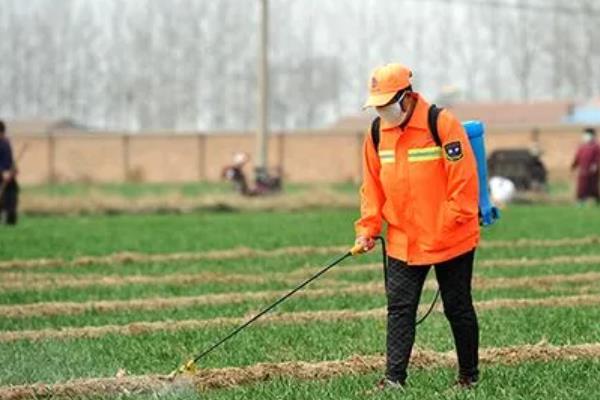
x=363, y=244
x=7, y=176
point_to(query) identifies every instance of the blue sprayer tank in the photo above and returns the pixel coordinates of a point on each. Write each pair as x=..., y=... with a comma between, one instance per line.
x=476, y=133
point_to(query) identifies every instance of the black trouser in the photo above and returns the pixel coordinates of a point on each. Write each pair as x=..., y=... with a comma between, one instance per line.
x=9, y=199
x=403, y=288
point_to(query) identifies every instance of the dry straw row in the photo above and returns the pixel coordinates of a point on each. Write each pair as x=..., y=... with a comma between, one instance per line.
x=106, y=306
x=244, y=252
x=140, y=328
x=15, y=281
x=206, y=379
x=132, y=257
x=103, y=203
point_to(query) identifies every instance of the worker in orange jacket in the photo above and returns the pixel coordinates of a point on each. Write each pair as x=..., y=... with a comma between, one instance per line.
x=426, y=190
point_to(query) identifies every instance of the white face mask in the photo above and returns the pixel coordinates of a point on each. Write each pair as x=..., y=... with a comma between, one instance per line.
x=391, y=114
x=587, y=138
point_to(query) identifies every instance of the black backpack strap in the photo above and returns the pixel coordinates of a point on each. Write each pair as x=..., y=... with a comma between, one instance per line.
x=434, y=113
x=375, y=133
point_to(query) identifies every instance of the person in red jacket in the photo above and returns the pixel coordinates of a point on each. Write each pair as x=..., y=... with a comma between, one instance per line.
x=587, y=164
x=427, y=195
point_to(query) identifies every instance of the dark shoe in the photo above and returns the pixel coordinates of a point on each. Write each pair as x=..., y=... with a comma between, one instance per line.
x=388, y=384
x=467, y=382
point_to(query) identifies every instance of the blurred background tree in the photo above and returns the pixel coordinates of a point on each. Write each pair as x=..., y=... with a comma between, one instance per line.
x=191, y=64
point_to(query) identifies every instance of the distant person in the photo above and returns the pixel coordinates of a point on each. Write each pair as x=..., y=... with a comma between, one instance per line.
x=235, y=174
x=420, y=177
x=502, y=190
x=9, y=188
x=265, y=183
x=587, y=164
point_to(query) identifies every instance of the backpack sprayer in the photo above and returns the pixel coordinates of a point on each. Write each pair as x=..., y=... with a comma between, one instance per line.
x=488, y=214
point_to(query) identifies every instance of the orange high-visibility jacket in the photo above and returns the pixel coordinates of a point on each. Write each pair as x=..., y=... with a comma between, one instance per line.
x=428, y=195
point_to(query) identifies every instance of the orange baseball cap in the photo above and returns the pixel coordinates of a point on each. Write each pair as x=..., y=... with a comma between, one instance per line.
x=385, y=82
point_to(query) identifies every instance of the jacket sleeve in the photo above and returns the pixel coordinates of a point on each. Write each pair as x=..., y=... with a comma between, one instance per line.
x=372, y=197
x=462, y=191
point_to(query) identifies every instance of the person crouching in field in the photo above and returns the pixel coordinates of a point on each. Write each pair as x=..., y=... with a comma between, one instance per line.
x=421, y=179
x=587, y=164
x=9, y=189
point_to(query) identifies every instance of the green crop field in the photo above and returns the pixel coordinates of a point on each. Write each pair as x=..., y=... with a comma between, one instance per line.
x=96, y=296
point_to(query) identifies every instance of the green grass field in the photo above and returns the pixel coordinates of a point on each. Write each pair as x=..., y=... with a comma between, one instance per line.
x=44, y=300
